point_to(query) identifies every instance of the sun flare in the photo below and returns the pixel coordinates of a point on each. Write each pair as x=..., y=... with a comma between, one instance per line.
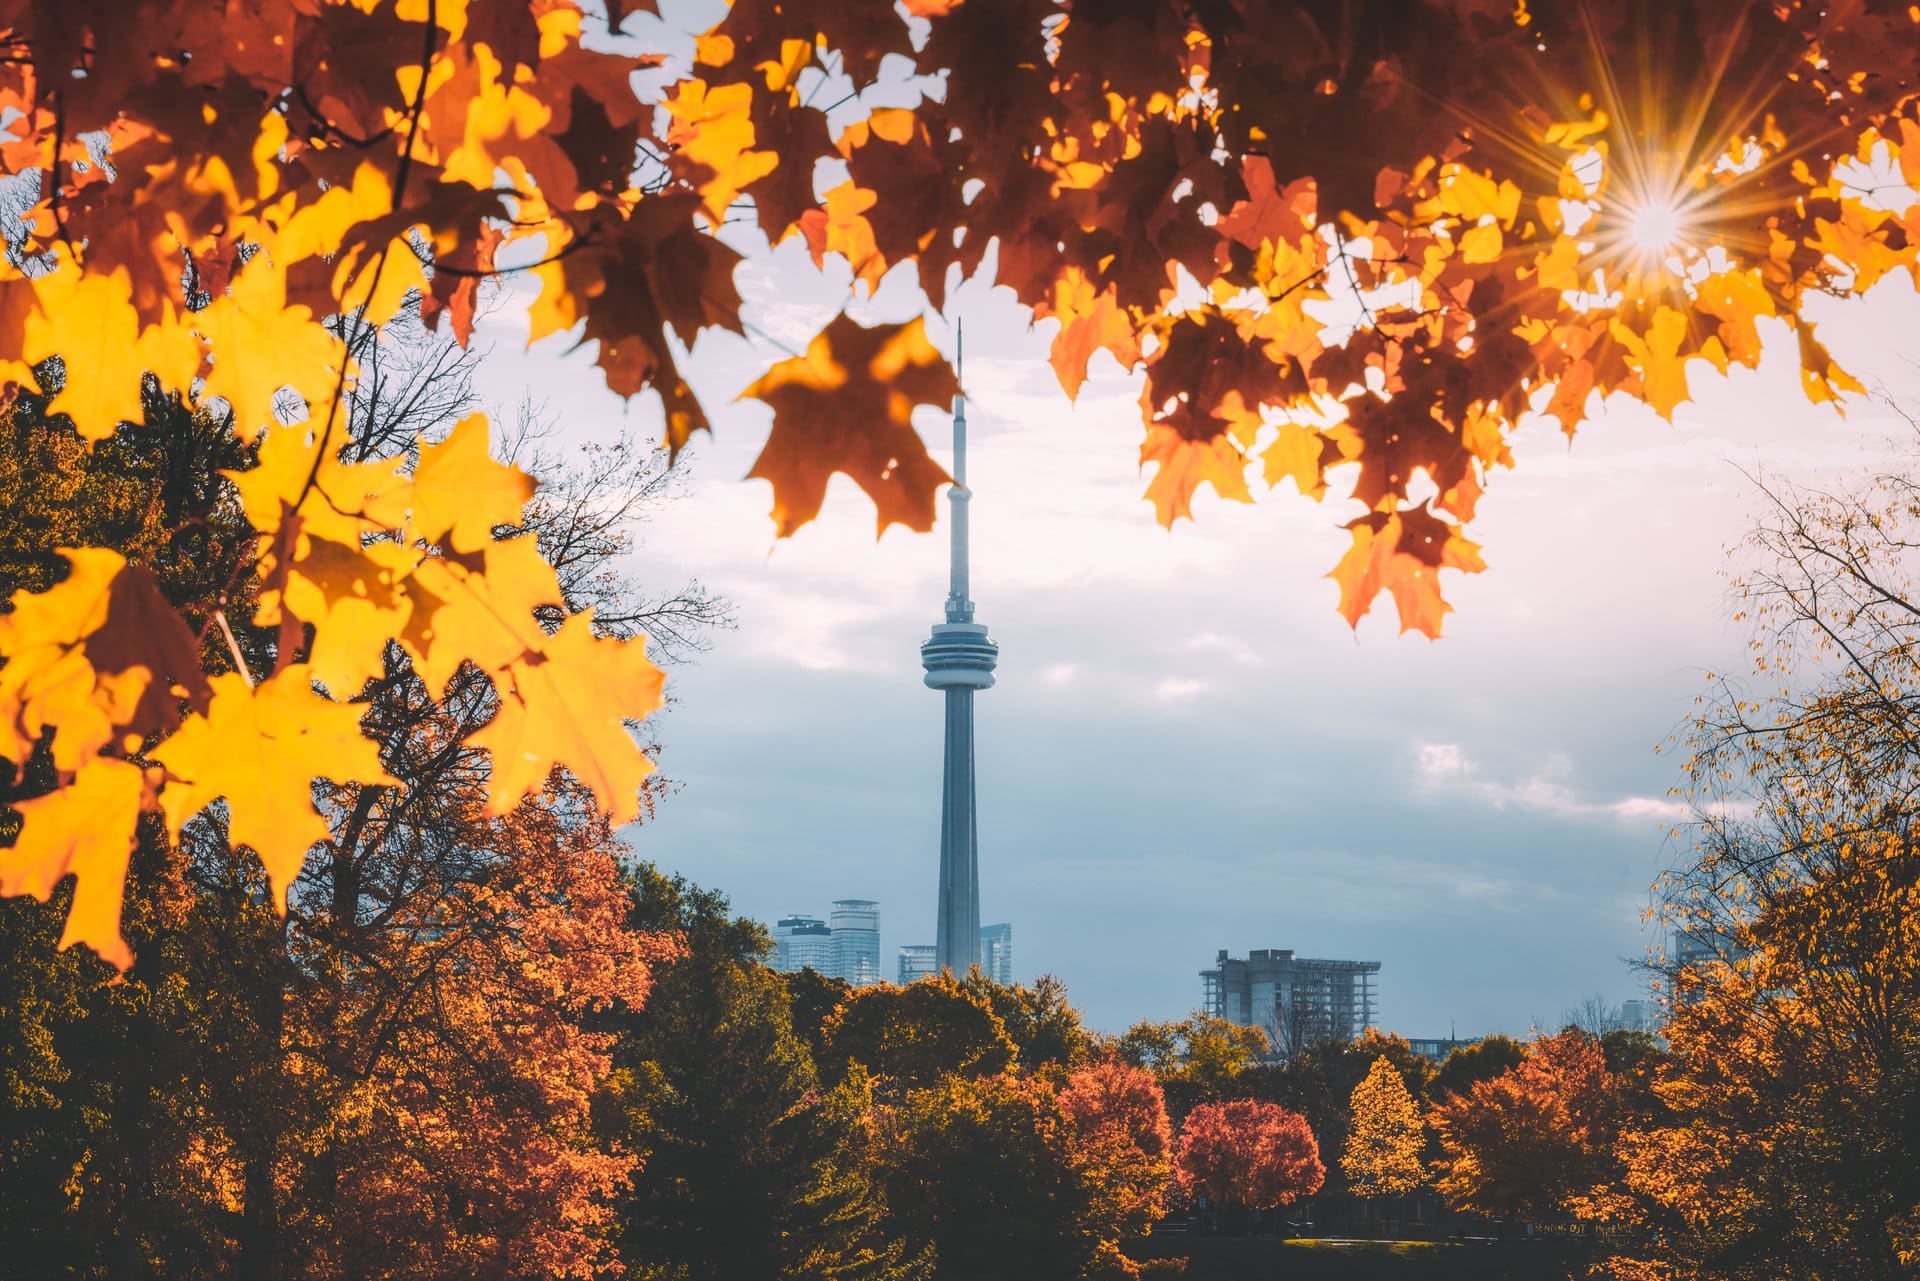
x=1654, y=228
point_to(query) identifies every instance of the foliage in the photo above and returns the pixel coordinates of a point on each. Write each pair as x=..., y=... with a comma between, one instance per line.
x=751, y=1168
x=1318, y=1082
x=1044, y=1027
x=1201, y=1048
x=1536, y=1140
x=1320, y=248
x=1382, y=1156
x=910, y=1037
x=1783, y=1139
x=1247, y=1153
x=1002, y=1178
x=390, y=1080
x=1119, y=1119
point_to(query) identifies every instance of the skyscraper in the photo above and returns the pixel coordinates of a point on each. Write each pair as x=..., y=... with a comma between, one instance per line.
x=996, y=953
x=847, y=949
x=959, y=660
x=856, y=940
x=804, y=943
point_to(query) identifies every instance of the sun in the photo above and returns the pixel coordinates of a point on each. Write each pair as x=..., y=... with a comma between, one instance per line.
x=1654, y=227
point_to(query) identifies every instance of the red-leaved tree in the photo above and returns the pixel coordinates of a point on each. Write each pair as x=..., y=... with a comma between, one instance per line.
x=1248, y=1153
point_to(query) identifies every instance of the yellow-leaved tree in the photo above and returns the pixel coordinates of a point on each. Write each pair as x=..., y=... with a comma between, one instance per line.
x=1386, y=1136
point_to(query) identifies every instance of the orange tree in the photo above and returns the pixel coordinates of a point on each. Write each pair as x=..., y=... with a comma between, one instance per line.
x=1537, y=1140
x=1327, y=238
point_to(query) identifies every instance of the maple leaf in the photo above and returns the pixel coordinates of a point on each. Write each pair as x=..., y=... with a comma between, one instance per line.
x=1090, y=321
x=459, y=491
x=260, y=344
x=1185, y=465
x=259, y=750
x=98, y=655
x=847, y=406
x=86, y=319
x=1402, y=553
x=568, y=705
x=86, y=830
x=478, y=608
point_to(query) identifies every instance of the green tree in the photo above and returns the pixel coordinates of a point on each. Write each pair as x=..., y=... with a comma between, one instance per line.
x=751, y=1169
x=911, y=1037
x=1481, y=1061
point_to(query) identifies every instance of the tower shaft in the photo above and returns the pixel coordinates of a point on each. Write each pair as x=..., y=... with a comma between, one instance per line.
x=957, y=936
x=959, y=659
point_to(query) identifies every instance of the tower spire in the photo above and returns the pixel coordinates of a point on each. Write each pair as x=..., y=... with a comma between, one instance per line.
x=959, y=659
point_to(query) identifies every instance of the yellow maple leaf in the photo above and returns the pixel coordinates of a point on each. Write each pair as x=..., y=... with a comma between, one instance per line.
x=47, y=680
x=460, y=493
x=260, y=750
x=568, y=707
x=480, y=612
x=1737, y=299
x=1656, y=358
x=85, y=830
x=842, y=228
x=354, y=599
x=1295, y=454
x=88, y=320
x=1482, y=243
x=713, y=128
x=259, y=344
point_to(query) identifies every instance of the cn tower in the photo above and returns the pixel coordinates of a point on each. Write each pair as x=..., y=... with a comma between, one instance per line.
x=959, y=660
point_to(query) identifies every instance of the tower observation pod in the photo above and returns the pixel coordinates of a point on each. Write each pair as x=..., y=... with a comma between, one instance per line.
x=959, y=659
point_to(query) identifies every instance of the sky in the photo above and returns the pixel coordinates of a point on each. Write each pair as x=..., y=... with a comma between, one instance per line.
x=1187, y=749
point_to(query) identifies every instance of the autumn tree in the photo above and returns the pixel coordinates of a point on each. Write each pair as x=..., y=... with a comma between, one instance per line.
x=1537, y=1140
x=1385, y=1136
x=1123, y=1137
x=1003, y=1177
x=751, y=1168
x=345, y=1086
x=1257, y=1155
x=1318, y=1082
x=1783, y=1140
x=1042, y=1024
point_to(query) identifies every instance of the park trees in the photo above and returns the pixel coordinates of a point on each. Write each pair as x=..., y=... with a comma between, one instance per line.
x=1323, y=241
x=911, y=1036
x=1385, y=1136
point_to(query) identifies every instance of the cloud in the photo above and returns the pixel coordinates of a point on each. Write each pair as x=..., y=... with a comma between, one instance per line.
x=1231, y=648
x=1178, y=691
x=1444, y=768
x=1059, y=674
